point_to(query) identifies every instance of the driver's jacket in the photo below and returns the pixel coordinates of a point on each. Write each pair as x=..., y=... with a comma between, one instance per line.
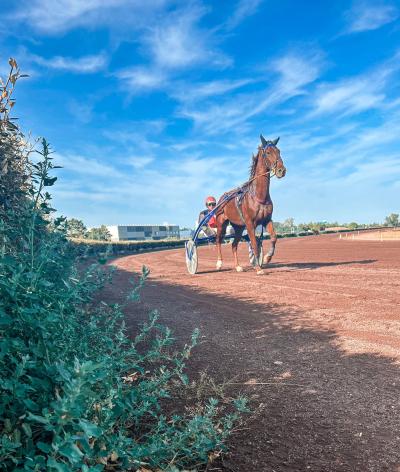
x=212, y=222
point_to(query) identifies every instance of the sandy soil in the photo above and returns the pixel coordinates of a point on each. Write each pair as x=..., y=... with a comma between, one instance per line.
x=379, y=235
x=314, y=343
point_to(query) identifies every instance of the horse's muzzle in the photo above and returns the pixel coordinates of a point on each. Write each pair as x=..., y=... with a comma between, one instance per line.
x=280, y=172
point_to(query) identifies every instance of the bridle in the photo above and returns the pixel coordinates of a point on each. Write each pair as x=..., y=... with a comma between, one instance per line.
x=273, y=167
x=272, y=171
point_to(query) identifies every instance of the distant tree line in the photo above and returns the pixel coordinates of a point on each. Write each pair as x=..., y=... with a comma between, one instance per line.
x=289, y=226
x=392, y=220
x=77, y=229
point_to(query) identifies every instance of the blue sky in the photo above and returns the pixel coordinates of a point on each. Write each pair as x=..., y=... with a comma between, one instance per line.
x=153, y=105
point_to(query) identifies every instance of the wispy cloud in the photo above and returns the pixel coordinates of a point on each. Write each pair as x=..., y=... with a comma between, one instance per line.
x=172, y=45
x=178, y=42
x=356, y=94
x=188, y=92
x=289, y=76
x=141, y=79
x=80, y=65
x=244, y=9
x=53, y=18
x=86, y=166
x=365, y=16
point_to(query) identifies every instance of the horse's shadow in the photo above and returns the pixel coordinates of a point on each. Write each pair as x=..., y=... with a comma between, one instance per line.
x=291, y=266
x=314, y=265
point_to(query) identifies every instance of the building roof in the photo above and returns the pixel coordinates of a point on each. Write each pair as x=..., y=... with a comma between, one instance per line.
x=147, y=226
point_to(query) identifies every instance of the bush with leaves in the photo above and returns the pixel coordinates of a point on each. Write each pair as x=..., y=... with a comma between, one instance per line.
x=76, y=394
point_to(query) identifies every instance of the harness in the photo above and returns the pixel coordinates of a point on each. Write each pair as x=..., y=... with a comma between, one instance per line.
x=238, y=194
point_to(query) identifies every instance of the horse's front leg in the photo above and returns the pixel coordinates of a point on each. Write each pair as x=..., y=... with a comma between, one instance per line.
x=272, y=233
x=221, y=229
x=251, y=231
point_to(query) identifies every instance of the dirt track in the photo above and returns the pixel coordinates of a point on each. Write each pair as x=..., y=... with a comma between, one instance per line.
x=315, y=342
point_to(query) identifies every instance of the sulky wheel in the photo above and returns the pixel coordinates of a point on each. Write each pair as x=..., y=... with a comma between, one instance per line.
x=191, y=256
x=260, y=253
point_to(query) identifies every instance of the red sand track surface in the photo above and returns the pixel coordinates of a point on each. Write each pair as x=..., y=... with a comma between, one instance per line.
x=314, y=343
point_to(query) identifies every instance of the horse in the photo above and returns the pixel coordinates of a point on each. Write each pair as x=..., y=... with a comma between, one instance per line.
x=252, y=205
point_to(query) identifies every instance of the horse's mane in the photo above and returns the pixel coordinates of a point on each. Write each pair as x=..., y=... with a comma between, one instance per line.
x=254, y=161
x=253, y=164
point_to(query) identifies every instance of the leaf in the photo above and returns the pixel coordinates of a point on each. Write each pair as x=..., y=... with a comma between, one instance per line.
x=71, y=452
x=31, y=404
x=43, y=447
x=27, y=429
x=90, y=429
x=49, y=181
x=13, y=62
x=59, y=466
x=5, y=320
x=38, y=419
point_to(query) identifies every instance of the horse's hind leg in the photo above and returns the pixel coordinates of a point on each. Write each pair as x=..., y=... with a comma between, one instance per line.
x=221, y=230
x=271, y=231
x=251, y=231
x=238, y=235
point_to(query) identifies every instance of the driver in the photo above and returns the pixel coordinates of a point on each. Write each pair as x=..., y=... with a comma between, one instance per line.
x=209, y=229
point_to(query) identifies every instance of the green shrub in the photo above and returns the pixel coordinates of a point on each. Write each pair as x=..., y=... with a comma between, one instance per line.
x=85, y=247
x=76, y=393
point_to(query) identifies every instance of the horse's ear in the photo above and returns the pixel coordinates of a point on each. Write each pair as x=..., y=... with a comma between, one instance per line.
x=275, y=141
x=263, y=140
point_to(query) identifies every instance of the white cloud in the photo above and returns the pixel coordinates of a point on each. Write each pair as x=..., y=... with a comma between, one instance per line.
x=142, y=135
x=83, y=165
x=139, y=162
x=139, y=79
x=81, y=65
x=366, y=16
x=185, y=92
x=55, y=17
x=172, y=44
x=293, y=73
x=244, y=9
x=356, y=94
x=178, y=42
x=349, y=96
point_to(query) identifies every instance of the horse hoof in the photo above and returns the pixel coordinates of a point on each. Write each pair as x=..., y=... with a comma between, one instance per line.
x=239, y=269
x=260, y=272
x=219, y=265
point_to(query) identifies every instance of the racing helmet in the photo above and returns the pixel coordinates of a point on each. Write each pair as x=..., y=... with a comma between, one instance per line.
x=210, y=199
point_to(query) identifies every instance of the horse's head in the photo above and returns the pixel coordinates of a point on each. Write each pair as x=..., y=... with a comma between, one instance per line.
x=272, y=157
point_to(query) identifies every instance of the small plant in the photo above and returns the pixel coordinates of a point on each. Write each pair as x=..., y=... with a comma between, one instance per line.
x=76, y=393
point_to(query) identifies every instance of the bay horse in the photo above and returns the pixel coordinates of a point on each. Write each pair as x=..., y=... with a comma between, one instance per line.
x=252, y=206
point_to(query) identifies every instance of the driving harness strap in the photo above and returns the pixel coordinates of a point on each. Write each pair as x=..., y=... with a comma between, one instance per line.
x=238, y=203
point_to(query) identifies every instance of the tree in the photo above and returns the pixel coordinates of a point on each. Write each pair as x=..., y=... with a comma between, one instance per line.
x=101, y=233
x=289, y=224
x=304, y=227
x=392, y=220
x=76, y=228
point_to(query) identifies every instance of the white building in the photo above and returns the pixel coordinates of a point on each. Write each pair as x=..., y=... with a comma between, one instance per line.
x=142, y=232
